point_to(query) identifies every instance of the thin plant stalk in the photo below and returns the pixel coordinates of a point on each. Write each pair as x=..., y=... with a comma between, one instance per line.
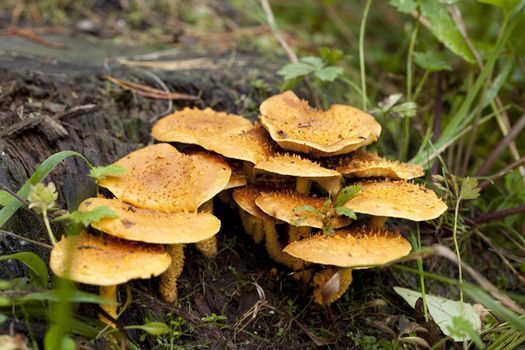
x=419, y=262
x=362, y=53
x=48, y=228
x=458, y=255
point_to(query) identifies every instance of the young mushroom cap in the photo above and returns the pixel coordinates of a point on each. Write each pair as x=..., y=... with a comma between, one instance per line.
x=161, y=178
x=106, y=261
x=294, y=165
x=351, y=247
x=367, y=164
x=296, y=126
x=150, y=226
x=398, y=199
x=286, y=206
x=245, y=198
x=237, y=178
x=191, y=125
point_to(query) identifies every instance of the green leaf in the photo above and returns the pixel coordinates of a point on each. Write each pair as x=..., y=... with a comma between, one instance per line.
x=153, y=328
x=462, y=329
x=469, y=189
x=3, y=318
x=56, y=340
x=506, y=5
x=445, y=30
x=346, y=212
x=75, y=296
x=443, y=311
x=346, y=194
x=87, y=217
x=307, y=208
x=295, y=70
x=37, y=268
x=5, y=197
x=404, y=6
x=101, y=172
x=431, y=61
x=314, y=62
x=39, y=175
x=405, y=109
x=329, y=73
x=330, y=56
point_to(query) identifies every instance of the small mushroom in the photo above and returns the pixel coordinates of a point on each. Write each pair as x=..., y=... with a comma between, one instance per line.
x=362, y=164
x=259, y=225
x=191, y=125
x=106, y=262
x=348, y=248
x=296, y=126
x=398, y=199
x=304, y=170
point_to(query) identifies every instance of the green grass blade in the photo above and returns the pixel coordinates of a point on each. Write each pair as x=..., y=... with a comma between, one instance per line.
x=39, y=175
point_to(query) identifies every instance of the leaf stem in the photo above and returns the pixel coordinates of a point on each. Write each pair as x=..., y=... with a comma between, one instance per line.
x=362, y=53
x=458, y=255
x=421, y=276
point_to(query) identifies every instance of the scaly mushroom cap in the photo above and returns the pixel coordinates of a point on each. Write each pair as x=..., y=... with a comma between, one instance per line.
x=245, y=198
x=397, y=199
x=191, y=125
x=351, y=247
x=284, y=206
x=106, y=261
x=238, y=176
x=294, y=165
x=146, y=225
x=161, y=178
x=366, y=164
x=296, y=126
x=251, y=146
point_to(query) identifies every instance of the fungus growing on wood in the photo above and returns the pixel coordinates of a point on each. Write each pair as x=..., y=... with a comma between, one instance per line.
x=348, y=248
x=161, y=178
x=296, y=126
x=259, y=225
x=304, y=170
x=191, y=125
x=362, y=164
x=106, y=262
x=398, y=199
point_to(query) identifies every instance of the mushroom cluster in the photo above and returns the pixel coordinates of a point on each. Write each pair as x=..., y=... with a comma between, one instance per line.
x=294, y=157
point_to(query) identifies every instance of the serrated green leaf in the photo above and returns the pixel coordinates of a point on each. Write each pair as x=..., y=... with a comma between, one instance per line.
x=469, y=189
x=295, y=70
x=330, y=56
x=443, y=311
x=37, y=268
x=507, y=5
x=346, y=194
x=342, y=211
x=431, y=61
x=307, y=208
x=327, y=230
x=312, y=61
x=153, y=328
x=101, y=172
x=39, y=175
x=329, y=73
x=406, y=109
x=75, y=296
x=94, y=215
x=445, y=30
x=404, y=6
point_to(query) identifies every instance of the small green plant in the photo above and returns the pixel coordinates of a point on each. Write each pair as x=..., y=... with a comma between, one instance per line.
x=332, y=208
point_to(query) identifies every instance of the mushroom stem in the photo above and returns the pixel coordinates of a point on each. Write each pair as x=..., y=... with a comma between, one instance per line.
x=109, y=293
x=303, y=185
x=275, y=250
x=248, y=170
x=252, y=225
x=330, y=286
x=168, y=280
x=208, y=247
x=378, y=221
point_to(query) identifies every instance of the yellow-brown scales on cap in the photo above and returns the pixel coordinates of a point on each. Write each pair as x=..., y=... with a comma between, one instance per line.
x=161, y=178
x=347, y=249
x=261, y=226
x=106, y=262
x=398, y=199
x=296, y=126
x=190, y=125
x=305, y=171
x=283, y=206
